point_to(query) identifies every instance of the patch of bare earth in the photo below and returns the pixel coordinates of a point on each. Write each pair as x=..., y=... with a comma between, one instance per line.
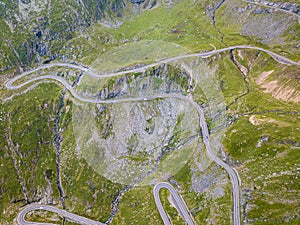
x=263, y=76
x=282, y=92
x=257, y=121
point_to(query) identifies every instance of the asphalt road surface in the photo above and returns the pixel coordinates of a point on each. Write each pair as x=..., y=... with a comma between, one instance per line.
x=205, y=133
x=69, y=216
x=90, y=72
x=180, y=203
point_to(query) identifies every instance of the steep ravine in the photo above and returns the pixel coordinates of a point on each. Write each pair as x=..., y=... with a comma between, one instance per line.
x=212, y=12
x=116, y=202
x=58, y=138
x=13, y=151
x=244, y=71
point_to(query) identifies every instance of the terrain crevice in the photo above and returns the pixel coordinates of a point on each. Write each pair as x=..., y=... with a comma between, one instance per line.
x=116, y=202
x=244, y=72
x=57, y=144
x=212, y=13
x=12, y=150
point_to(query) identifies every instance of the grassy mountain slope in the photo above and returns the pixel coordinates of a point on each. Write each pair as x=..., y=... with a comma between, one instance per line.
x=261, y=128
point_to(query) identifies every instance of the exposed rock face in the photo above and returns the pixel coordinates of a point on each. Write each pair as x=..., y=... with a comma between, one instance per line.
x=36, y=29
x=137, y=1
x=294, y=8
x=25, y=1
x=132, y=144
x=266, y=22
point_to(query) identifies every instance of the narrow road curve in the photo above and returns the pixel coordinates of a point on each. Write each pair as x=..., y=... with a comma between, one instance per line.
x=180, y=205
x=232, y=174
x=179, y=202
x=203, y=124
x=69, y=216
x=91, y=73
x=57, y=142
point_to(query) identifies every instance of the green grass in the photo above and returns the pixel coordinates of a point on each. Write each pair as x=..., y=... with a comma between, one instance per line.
x=257, y=100
x=138, y=52
x=181, y=25
x=285, y=76
x=87, y=193
x=91, y=85
x=202, y=206
x=164, y=78
x=269, y=173
x=282, y=128
x=80, y=49
x=230, y=79
x=32, y=135
x=265, y=155
x=234, y=24
x=44, y=217
x=67, y=74
x=137, y=206
x=169, y=207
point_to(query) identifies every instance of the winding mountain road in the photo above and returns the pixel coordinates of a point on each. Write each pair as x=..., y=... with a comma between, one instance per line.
x=180, y=203
x=203, y=124
x=91, y=73
x=69, y=216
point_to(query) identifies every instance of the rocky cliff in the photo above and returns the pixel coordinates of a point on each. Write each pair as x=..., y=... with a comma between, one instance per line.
x=34, y=30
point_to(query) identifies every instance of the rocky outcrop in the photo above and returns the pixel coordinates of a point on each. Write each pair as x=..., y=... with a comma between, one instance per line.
x=37, y=29
x=290, y=7
x=137, y=1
